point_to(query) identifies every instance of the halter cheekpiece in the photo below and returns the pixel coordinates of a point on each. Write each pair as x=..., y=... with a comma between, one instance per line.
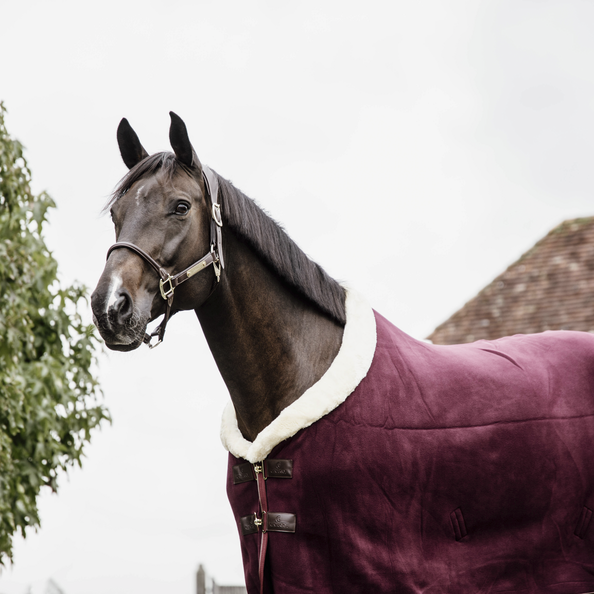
x=168, y=283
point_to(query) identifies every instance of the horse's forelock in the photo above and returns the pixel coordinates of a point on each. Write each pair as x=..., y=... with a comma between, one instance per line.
x=165, y=161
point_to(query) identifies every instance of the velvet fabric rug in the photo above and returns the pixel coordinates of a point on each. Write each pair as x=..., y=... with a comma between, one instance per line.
x=444, y=469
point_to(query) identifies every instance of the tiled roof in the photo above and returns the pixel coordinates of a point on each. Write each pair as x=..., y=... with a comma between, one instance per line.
x=551, y=287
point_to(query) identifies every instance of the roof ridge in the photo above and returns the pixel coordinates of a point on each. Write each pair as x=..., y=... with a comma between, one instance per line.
x=544, y=272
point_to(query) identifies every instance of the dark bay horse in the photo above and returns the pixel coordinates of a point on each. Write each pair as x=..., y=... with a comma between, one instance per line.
x=361, y=460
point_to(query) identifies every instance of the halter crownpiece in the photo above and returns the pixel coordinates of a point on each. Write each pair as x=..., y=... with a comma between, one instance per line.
x=168, y=283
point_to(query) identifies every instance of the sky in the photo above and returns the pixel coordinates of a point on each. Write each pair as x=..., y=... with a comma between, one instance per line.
x=413, y=149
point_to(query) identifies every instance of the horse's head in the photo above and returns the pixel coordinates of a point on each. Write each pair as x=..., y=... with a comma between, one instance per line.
x=162, y=208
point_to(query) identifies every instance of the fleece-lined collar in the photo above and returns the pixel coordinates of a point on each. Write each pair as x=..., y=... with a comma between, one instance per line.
x=349, y=367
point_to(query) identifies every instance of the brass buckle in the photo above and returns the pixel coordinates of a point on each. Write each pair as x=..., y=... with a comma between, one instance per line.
x=149, y=337
x=217, y=271
x=216, y=214
x=216, y=262
x=152, y=346
x=259, y=468
x=169, y=292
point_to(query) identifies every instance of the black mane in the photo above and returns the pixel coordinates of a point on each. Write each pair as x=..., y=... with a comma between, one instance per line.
x=270, y=241
x=264, y=235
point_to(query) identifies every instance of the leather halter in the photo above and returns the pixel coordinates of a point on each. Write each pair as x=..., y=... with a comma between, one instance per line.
x=168, y=283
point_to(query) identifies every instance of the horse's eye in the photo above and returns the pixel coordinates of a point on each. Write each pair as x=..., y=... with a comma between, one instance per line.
x=182, y=208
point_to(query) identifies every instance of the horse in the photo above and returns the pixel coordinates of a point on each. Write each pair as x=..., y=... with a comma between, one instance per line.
x=360, y=459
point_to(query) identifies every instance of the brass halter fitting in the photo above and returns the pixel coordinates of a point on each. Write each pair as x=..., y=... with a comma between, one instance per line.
x=166, y=293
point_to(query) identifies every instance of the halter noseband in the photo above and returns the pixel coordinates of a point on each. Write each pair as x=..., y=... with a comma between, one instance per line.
x=168, y=283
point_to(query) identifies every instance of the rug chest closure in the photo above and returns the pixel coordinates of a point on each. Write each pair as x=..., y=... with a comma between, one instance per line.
x=260, y=472
x=267, y=521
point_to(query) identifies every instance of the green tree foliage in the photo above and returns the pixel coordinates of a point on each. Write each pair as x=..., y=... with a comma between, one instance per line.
x=48, y=395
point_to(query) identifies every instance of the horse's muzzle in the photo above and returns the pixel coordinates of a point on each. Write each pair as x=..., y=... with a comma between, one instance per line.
x=121, y=326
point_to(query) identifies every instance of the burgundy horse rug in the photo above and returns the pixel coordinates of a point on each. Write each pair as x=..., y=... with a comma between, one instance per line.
x=416, y=468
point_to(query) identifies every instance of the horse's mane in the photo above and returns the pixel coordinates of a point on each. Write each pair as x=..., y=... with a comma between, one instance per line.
x=264, y=235
x=270, y=241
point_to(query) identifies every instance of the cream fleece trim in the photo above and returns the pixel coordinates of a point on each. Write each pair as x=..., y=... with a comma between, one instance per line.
x=349, y=367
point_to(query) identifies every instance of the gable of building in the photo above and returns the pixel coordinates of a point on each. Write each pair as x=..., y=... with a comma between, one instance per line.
x=551, y=287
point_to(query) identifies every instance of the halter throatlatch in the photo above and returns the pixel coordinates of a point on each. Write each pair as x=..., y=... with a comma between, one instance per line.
x=168, y=283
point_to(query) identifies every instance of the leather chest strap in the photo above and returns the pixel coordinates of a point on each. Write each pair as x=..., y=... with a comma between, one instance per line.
x=264, y=538
x=269, y=521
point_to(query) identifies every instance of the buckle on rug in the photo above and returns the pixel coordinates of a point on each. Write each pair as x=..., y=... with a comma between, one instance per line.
x=270, y=522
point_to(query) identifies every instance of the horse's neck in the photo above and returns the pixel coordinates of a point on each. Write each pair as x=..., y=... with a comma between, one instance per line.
x=269, y=343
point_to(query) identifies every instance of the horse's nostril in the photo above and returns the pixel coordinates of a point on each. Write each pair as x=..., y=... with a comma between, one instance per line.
x=123, y=308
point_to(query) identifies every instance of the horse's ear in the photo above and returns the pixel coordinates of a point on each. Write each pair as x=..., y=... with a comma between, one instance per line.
x=130, y=148
x=180, y=142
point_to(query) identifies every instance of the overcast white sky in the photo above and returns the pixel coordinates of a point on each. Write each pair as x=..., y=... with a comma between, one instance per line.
x=414, y=149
